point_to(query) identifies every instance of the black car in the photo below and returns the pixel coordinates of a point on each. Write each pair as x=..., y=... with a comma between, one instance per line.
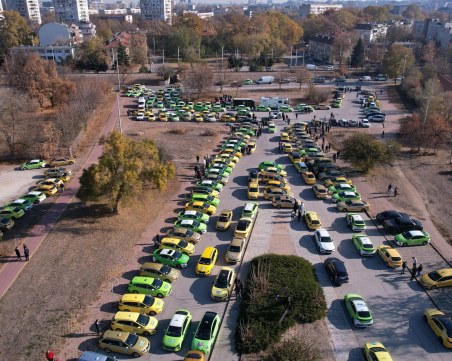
x=336, y=271
x=6, y=224
x=253, y=175
x=402, y=224
x=391, y=214
x=325, y=167
x=330, y=172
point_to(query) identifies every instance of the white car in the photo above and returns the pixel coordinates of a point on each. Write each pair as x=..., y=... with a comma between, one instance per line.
x=324, y=241
x=343, y=122
x=140, y=116
x=275, y=115
x=377, y=118
x=364, y=123
x=353, y=123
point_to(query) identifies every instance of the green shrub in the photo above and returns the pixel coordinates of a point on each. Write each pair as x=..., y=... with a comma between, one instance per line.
x=277, y=284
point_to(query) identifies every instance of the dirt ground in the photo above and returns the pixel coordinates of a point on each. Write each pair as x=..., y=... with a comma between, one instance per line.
x=64, y=279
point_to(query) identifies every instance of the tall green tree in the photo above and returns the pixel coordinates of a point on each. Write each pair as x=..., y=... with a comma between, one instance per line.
x=91, y=55
x=357, y=59
x=397, y=60
x=125, y=169
x=14, y=31
x=123, y=57
x=365, y=152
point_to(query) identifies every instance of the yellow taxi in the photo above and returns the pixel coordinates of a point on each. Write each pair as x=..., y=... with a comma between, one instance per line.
x=437, y=279
x=268, y=177
x=223, y=284
x=320, y=191
x=163, y=117
x=59, y=162
x=50, y=181
x=441, y=325
x=308, y=177
x=178, y=245
x=252, y=145
x=285, y=137
x=64, y=177
x=243, y=227
x=206, y=262
x=336, y=180
x=273, y=170
x=390, y=256
x=151, y=117
x=135, y=322
x=312, y=220
x=277, y=184
x=47, y=189
x=232, y=152
x=375, y=351
x=287, y=147
x=200, y=207
x=194, y=355
x=124, y=342
x=198, y=117
x=224, y=220
x=147, y=304
x=253, y=190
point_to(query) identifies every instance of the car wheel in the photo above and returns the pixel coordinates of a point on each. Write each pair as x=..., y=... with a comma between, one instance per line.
x=136, y=355
x=424, y=243
x=152, y=313
x=404, y=245
x=159, y=295
x=107, y=350
x=434, y=287
x=441, y=340
x=387, y=264
x=146, y=333
x=363, y=210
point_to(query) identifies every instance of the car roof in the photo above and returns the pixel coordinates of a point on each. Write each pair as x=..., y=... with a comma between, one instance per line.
x=360, y=305
x=190, y=213
x=169, y=252
x=365, y=240
x=186, y=222
x=178, y=320
x=416, y=233
x=357, y=217
x=117, y=335
x=322, y=232
x=132, y=297
x=249, y=206
x=94, y=356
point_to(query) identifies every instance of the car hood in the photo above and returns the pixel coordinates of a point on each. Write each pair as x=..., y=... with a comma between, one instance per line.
x=171, y=341
x=233, y=256
x=203, y=267
x=219, y=291
x=201, y=345
x=327, y=246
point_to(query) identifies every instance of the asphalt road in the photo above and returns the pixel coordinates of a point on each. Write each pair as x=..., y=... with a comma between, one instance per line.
x=396, y=302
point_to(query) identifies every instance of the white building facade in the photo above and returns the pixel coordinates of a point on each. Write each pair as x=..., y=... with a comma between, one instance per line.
x=317, y=9
x=29, y=9
x=156, y=10
x=68, y=11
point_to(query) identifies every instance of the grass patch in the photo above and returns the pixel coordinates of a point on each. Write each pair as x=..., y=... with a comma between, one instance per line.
x=177, y=131
x=208, y=133
x=277, y=285
x=292, y=349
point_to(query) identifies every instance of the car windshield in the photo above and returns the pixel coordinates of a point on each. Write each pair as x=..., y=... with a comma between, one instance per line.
x=183, y=243
x=222, y=281
x=148, y=300
x=434, y=276
x=157, y=283
x=131, y=340
x=325, y=239
x=233, y=248
x=223, y=218
x=315, y=221
x=143, y=320
x=165, y=270
x=253, y=189
x=203, y=331
x=242, y=225
x=359, y=222
x=174, y=331
x=406, y=235
x=378, y=349
x=364, y=314
x=204, y=260
x=396, y=259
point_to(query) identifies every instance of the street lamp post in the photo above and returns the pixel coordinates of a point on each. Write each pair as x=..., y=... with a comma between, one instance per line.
x=117, y=98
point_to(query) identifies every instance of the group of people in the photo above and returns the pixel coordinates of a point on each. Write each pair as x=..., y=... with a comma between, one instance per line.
x=393, y=190
x=415, y=269
x=26, y=253
x=297, y=211
x=224, y=99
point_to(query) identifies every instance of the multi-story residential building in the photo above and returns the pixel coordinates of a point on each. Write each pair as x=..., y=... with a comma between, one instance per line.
x=371, y=32
x=68, y=11
x=58, y=53
x=317, y=9
x=87, y=29
x=29, y=9
x=433, y=30
x=46, y=7
x=1, y=7
x=156, y=10
x=116, y=14
x=320, y=48
x=96, y=4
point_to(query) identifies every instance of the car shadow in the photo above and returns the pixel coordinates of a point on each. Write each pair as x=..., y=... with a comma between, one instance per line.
x=130, y=274
x=120, y=289
x=109, y=307
x=338, y=315
x=307, y=241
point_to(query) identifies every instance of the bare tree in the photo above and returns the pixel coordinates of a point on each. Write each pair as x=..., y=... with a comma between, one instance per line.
x=199, y=78
x=303, y=76
x=51, y=139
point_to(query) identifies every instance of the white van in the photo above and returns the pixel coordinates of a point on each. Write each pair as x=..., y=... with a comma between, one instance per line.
x=311, y=67
x=265, y=80
x=365, y=78
x=273, y=102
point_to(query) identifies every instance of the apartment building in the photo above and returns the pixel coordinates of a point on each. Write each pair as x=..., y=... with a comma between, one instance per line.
x=317, y=9
x=156, y=10
x=371, y=32
x=29, y=9
x=433, y=30
x=69, y=11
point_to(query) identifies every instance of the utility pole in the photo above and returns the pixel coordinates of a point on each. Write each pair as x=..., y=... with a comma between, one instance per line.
x=296, y=57
x=117, y=97
x=163, y=56
x=178, y=54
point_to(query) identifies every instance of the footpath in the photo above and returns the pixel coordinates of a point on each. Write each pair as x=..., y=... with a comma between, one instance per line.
x=39, y=232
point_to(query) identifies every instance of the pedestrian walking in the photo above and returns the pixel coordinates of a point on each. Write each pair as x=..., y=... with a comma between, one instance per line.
x=382, y=134
x=295, y=206
x=296, y=116
x=419, y=270
x=288, y=121
x=389, y=189
x=413, y=273
x=238, y=287
x=197, y=159
x=299, y=215
x=334, y=158
x=293, y=214
x=338, y=154
x=404, y=267
x=157, y=241
x=396, y=191
x=62, y=187
x=97, y=326
x=26, y=253
x=18, y=255
x=302, y=208
x=414, y=262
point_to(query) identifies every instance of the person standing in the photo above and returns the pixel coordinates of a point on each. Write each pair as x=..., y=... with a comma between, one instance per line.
x=396, y=191
x=97, y=326
x=296, y=206
x=157, y=241
x=413, y=274
x=414, y=262
x=296, y=116
x=62, y=187
x=26, y=253
x=197, y=159
x=404, y=266
x=18, y=255
x=293, y=214
x=419, y=270
x=302, y=208
x=299, y=215
x=50, y=356
x=382, y=134
x=389, y=189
